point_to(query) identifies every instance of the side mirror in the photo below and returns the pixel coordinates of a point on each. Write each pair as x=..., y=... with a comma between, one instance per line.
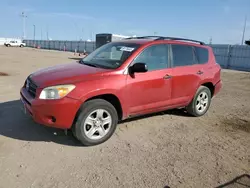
x=138, y=67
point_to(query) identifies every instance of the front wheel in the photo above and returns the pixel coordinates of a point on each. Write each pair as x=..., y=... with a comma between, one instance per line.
x=200, y=103
x=21, y=46
x=96, y=122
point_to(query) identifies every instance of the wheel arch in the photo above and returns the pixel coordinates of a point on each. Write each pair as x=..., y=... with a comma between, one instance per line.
x=111, y=98
x=210, y=86
x=207, y=84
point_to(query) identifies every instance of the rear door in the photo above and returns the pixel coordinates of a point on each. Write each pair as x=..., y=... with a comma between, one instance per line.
x=205, y=67
x=186, y=73
x=15, y=43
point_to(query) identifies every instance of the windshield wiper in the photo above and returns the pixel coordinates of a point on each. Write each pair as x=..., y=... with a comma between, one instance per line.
x=89, y=64
x=94, y=65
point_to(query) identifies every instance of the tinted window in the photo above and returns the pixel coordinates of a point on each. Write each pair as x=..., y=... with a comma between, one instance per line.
x=182, y=55
x=156, y=57
x=202, y=55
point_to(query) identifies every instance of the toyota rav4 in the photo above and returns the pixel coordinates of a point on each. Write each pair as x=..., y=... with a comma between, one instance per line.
x=120, y=80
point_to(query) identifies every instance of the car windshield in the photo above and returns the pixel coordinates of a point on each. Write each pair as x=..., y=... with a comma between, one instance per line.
x=111, y=55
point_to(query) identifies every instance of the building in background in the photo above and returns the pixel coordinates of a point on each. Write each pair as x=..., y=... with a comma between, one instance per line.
x=104, y=38
x=247, y=42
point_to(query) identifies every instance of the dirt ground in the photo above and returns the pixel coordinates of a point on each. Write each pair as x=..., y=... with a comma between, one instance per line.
x=160, y=150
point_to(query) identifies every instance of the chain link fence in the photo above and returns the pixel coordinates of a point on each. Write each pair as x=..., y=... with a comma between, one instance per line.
x=71, y=46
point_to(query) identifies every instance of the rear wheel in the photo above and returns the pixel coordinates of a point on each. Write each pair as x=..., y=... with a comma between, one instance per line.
x=96, y=122
x=200, y=103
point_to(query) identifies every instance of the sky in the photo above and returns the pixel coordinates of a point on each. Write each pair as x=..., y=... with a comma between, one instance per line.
x=221, y=20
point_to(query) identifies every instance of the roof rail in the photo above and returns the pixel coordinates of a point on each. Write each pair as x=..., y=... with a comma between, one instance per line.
x=176, y=38
x=167, y=38
x=144, y=37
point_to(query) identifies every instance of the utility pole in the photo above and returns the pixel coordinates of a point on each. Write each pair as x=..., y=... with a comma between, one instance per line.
x=76, y=30
x=34, y=37
x=210, y=40
x=244, y=29
x=47, y=33
x=82, y=33
x=24, y=16
x=41, y=34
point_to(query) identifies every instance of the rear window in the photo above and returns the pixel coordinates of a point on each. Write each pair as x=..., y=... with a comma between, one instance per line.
x=202, y=55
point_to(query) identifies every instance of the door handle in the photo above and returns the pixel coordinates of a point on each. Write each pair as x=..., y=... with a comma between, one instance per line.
x=167, y=77
x=199, y=72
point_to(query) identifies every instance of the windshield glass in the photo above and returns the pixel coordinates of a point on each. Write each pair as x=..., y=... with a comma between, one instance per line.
x=111, y=55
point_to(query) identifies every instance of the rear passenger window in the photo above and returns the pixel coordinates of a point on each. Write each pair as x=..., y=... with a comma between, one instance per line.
x=202, y=55
x=183, y=55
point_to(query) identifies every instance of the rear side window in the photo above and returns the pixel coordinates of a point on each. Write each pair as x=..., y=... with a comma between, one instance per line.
x=183, y=55
x=202, y=55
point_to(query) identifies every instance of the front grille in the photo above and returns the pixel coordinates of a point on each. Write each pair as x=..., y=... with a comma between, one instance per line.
x=31, y=87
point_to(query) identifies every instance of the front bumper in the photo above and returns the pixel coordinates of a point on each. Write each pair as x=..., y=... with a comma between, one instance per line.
x=58, y=113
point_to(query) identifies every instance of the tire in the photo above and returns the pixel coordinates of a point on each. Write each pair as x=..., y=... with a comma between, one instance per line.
x=95, y=132
x=21, y=46
x=200, y=103
x=8, y=45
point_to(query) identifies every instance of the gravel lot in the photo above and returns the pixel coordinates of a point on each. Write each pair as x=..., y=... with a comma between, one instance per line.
x=164, y=149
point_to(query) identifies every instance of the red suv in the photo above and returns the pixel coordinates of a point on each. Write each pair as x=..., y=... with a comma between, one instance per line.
x=120, y=80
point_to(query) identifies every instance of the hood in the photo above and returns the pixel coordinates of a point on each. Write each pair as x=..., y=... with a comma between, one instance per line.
x=65, y=74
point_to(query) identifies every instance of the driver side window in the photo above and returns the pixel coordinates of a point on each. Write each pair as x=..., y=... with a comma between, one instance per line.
x=155, y=57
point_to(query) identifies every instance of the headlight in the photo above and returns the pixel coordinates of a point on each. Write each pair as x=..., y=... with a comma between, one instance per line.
x=56, y=92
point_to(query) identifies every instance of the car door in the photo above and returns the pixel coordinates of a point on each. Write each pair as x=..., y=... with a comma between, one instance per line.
x=14, y=43
x=186, y=74
x=150, y=90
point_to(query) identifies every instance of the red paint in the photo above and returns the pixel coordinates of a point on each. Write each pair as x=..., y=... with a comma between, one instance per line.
x=145, y=93
x=42, y=110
